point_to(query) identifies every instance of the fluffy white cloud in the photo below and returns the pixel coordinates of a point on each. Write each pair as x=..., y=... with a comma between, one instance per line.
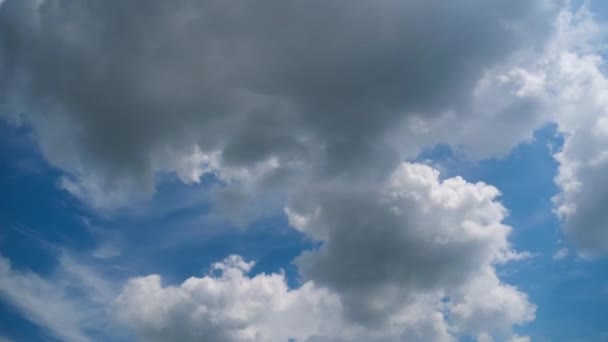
x=229, y=306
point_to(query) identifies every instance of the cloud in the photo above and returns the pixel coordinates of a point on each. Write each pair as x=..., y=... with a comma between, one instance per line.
x=564, y=83
x=433, y=279
x=409, y=259
x=415, y=235
x=67, y=305
x=319, y=102
x=117, y=92
x=583, y=162
x=228, y=305
x=569, y=85
x=561, y=254
x=581, y=88
x=417, y=264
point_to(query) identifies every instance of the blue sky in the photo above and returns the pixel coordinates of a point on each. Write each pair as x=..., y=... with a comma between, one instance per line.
x=188, y=172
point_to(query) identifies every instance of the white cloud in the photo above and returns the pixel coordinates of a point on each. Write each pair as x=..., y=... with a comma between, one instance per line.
x=562, y=253
x=227, y=307
x=572, y=87
x=234, y=307
x=583, y=161
x=490, y=307
x=231, y=306
x=65, y=305
x=106, y=251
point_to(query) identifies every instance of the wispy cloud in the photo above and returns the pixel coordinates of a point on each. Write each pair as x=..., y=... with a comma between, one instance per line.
x=561, y=254
x=66, y=304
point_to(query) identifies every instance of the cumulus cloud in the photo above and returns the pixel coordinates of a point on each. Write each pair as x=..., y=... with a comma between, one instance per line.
x=410, y=259
x=414, y=235
x=118, y=91
x=228, y=305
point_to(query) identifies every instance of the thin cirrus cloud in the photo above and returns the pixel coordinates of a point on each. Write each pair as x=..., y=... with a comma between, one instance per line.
x=65, y=304
x=317, y=103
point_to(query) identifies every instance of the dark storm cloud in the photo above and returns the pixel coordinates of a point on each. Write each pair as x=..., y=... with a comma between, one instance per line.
x=119, y=81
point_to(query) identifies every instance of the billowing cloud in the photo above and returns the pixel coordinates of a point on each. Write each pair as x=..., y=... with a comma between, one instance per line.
x=118, y=91
x=415, y=235
x=228, y=305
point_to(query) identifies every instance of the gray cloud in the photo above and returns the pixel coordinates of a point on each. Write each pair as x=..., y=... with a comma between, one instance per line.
x=317, y=101
x=112, y=88
x=386, y=246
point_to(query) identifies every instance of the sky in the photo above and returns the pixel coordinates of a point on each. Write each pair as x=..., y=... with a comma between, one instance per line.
x=306, y=170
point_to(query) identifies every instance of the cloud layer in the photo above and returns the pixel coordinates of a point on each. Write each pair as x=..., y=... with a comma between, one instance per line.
x=317, y=103
x=117, y=92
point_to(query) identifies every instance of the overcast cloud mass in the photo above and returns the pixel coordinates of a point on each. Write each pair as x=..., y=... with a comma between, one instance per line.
x=316, y=110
